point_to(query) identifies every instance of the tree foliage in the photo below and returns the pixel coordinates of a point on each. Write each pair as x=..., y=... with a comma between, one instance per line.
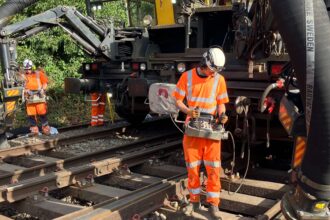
x=60, y=57
x=53, y=49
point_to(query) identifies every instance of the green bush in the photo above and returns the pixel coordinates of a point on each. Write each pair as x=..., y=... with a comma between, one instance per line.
x=60, y=57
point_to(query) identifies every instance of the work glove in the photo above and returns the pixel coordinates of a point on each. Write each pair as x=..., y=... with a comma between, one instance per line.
x=194, y=113
x=223, y=118
x=28, y=92
x=42, y=92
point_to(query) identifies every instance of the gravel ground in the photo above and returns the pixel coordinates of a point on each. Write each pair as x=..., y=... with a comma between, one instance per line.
x=126, y=133
x=29, y=139
x=97, y=144
x=7, y=211
x=119, y=138
x=125, y=136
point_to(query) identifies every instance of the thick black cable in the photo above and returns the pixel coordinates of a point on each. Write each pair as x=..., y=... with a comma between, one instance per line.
x=297, y=27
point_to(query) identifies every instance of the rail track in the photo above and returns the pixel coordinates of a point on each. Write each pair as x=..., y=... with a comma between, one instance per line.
x=30, y=144
x=144, y=179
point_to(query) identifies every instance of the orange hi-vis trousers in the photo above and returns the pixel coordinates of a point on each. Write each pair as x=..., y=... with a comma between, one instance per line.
x=198, y=151
x=98, y=108
x=36, y=109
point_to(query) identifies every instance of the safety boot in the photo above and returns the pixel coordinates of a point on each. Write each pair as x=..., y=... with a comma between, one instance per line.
x=191, y=207
x=34, y=130
x=214, y=212
x=46, y=130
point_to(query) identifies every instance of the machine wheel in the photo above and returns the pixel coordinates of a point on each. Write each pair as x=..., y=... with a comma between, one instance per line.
x=136, y=118
x=135, y=112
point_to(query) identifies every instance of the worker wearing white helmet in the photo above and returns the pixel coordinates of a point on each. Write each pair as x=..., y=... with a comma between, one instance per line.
x=27, y=64
x=205, y=92
x=35, y=87
x=214, y=59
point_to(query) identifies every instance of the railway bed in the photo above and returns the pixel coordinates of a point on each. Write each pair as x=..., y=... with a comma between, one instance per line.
x=136, y=185
x=69, y=135
x=143, y=179
x=151, y=190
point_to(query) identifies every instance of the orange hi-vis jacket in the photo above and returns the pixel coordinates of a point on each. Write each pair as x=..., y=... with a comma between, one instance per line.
x=34, y=81
x=205, y=93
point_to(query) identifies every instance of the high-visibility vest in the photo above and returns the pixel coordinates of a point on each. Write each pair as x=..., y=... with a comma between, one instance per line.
x=206, y=93
x=35, y=80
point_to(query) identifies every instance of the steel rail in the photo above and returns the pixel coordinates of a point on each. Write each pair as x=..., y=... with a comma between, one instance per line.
x=271, y=213
x=53, y=142
x=86, y=125
x=43, y=169
x=80, y=175
x=142, y=201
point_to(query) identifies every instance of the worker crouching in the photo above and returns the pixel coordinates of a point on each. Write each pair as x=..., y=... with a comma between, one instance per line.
x=36, y=83
x=203, y=91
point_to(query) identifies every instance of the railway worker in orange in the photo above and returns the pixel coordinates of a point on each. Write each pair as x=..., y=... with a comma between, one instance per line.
x=98, y=108
x=36, y=83
x=203, y=88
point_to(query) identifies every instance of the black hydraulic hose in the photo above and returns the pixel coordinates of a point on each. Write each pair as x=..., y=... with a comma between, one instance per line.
x=297, y=19
x=12, y=7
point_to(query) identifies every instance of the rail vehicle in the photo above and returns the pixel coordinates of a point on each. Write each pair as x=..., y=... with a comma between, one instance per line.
x=276, y=71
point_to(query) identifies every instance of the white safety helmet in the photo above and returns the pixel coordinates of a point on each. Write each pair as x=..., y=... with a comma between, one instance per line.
x=214, y=59
x=27, y=64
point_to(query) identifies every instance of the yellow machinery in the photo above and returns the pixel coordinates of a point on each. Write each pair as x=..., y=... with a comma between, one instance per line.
x=164, y=12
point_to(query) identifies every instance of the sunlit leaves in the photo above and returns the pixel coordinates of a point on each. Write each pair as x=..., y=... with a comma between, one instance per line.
x=54, y=49
x=60, y=57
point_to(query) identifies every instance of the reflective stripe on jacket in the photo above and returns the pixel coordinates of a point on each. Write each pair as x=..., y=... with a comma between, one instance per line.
x=35, y=80
x=205, y=93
